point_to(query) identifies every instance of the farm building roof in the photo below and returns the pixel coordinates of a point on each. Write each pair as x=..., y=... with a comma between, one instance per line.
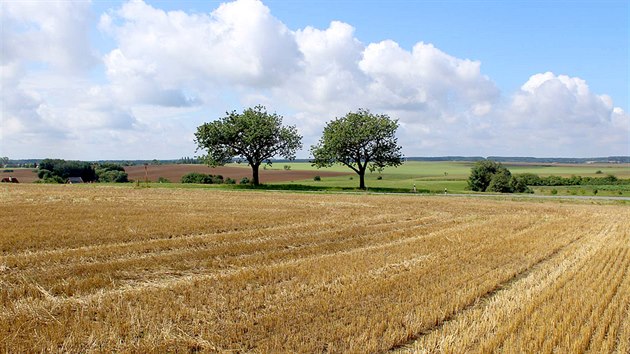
x=73, y=180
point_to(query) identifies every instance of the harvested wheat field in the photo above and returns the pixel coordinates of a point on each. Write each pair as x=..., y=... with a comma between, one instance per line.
x=93, y=268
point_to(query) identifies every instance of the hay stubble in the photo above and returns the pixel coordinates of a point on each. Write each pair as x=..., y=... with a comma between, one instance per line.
x=87, y=268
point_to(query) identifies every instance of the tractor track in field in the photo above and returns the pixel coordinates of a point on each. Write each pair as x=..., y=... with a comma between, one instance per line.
x=484, y=297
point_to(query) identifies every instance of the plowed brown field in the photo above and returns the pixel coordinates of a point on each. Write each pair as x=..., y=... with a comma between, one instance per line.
x=24, y=175
x=105, y=269
x=174, y=173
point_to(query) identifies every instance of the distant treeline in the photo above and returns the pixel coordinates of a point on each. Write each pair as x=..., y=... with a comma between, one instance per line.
x=59, y=171
x=609, y=159
x=540, y=160
x=503, y=159
x=531, y=179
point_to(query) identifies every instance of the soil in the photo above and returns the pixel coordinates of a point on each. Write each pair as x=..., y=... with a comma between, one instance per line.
x=174, y=173
x=23, y=175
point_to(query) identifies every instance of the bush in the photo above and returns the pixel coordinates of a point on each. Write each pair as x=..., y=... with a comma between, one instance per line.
x=598, y=172
x=65, y=169
x=483, y=173
x=194, y=177
x=379, y=178
x=218, y=179
x=554, y=191
x=52, y=179
x=109, y=176
x=595, y=191
x=530, y=179
x=244, y=180
x=287, y=167
x=44, y=174
x=500, y=182
x=163, y=180
x=202, y=178
x=7, y=171
x=518, y=185
x=317, y=178
x=230, y=181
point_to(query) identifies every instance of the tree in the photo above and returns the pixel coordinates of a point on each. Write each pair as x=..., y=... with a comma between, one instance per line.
x=500, y=181
x=361, y=141
x=111, y=172
x=481, y=174
x=64, y=169
x=254, y=136
x=4, y=161
x=491, y=176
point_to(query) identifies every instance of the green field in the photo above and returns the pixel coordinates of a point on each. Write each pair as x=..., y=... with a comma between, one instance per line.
x=434, y=177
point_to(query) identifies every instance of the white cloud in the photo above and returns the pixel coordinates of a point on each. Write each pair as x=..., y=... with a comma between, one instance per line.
x=239, y=43
x=52, y=32
x=559, y=115
x=169, y=71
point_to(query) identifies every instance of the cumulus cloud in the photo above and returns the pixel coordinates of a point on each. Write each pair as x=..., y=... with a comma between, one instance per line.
x=239, y=43
x=169, y=71
x=550, y=100
x=559, y=115
x=52, y=32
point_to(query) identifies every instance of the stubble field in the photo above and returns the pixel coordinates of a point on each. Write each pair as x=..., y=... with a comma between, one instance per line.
x=97, y=268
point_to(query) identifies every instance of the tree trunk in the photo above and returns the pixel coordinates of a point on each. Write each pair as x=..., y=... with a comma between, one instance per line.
x=255, y=175
x=362, y=179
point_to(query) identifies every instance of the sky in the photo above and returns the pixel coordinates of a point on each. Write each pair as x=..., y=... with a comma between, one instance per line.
x=123, y=80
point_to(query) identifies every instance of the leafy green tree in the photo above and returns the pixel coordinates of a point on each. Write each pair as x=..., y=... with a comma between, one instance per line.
x=360, y=140
x=500, y=181
x=254, y=136
x=111, y=172
x=196, y=177
x=65, y=169
x=481, y=174
x=518, y=185
x=530, y=179
x=492, y=176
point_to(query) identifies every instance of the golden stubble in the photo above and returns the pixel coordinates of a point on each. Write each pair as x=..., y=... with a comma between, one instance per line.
x=89, y=268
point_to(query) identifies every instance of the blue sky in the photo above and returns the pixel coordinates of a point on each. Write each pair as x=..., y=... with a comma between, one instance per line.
x=123, y=80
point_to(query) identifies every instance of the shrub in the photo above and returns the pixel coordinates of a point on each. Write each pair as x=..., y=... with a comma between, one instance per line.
x=287, y=167
x=500, y=182
x=65, y=169
x=218, y=179
x=54, y=179
x=379, y=177
x=554, y=191
x=610, y=179
x=163, y=180
x=194, y=177
x=230, y=181
x=518, y=185
x=244, y=180
x=7, y=171
x=598, y=172
x=44, y=174
x=595, y=191
x=488, y=175
x=112, y=176
x=317, y=178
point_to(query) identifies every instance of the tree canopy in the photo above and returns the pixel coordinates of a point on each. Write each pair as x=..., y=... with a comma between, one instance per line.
x=59, y=170
x=254, y=136
x=492, y=176
x=360, y=140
